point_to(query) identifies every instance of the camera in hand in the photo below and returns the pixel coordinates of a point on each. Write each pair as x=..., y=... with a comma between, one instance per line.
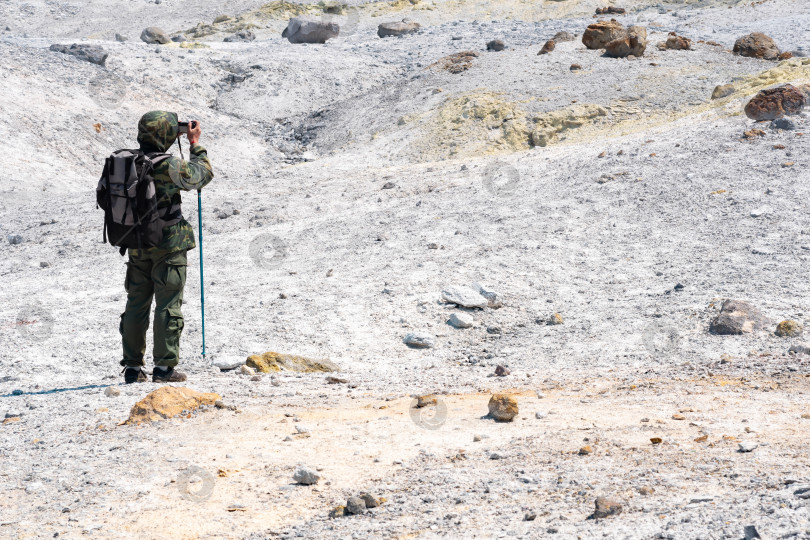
x=185, y=125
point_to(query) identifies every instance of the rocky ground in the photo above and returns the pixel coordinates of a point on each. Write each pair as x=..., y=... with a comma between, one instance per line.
x=356, y=181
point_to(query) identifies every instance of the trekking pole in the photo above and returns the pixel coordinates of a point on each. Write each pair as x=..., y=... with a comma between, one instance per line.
x=202, y=283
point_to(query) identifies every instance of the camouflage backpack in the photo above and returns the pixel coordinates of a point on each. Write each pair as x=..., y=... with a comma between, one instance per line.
x=126, y=192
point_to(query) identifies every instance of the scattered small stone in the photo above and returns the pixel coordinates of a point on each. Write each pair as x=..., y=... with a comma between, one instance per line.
x=789, y=328
x=611, y=10
x=496, y=45
x=307, y=29
x=370, y=500
x=112, y=391
x=119, y=38
x=548, y=47
x=335, y=380
x=338, y=511
x=678, y=417
x=554, y=319
x=228, y=364
x=723, y=90
x=306, y=476
x=89, y=53
x=461, y=320
x=575, y=67
x=736, y=318
x=539, y=415
x=389, y=185
x=464, y=297
x=756, y=45
x=426, y=400
x=241, y=36
x=751, y=533
x=154, y=35
x=503, y=407
x=393, y=29
x=655, y=440
x=585, y=450
x=646, y=490
x=799, y=349
x=247, y=370
x=44, y=264
x=502, y=371
x=773, y=103
x=747, y=446
x=783, y=123
x=600, y=33
x=530, y=516
x=419, y=340
x=605, y=507
x=559, y=37
x=14, y=239
x=355, y=506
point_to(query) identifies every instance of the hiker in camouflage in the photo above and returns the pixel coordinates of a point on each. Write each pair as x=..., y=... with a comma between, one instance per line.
x=161, y=271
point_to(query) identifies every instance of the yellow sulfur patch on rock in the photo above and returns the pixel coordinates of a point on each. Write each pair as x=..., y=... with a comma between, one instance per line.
x=167, y=402
x=550, y=126
x=477, y=123
x=272, y=361
x=795, y=70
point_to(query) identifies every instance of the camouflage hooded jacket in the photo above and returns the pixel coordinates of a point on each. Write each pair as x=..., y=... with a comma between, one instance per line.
x=157, y=131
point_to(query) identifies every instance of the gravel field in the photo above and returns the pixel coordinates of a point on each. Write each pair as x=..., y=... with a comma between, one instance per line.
x=357, y=183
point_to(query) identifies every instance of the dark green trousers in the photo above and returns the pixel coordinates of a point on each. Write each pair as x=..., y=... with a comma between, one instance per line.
x=162, y=275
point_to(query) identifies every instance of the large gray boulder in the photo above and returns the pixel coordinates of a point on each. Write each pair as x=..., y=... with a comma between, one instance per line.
x=392, y=29
x=310, y=30
x=154, y=35
x=89, y=53
x=737, y=317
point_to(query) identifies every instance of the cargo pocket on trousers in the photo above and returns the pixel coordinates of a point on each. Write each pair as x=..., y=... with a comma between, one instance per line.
x=175, y=276
x=174, y=328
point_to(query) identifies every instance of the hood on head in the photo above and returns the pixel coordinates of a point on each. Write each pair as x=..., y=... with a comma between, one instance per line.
x=157, y=130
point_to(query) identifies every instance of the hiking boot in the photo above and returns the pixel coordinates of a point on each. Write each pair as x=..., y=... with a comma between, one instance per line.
x=167, y=375
x=133, y=375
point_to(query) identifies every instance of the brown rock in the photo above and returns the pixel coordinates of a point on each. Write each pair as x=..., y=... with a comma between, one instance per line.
x=737, y=317
x=397, y=28
x=610, y=10
x=775, y=103
x=656, y=440
x=424, y=401
x=338, y=511
x=167, y=402
x=723, y=90
x=548, y=47
x=753, y=133
x=605, y=507
x=756, y=45
x=633, y=43
x=559, y=37
x=575, y=67
x=599, y=34
x=678, y=43
x=501, y=371
x=787, y=55
x=503, y=407
x=273, y=361
x=586, y=450
x=456, y=62
x=789, y=328
x=646, y=490
x=496, y=45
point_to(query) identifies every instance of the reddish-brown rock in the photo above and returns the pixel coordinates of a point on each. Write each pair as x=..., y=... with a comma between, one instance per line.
x=548, y=47
x=600, y=33
x=775, y=103
x=503, y=407
x=756, y=45
x=634, y=42
x=678, y=43
x=611, y=10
